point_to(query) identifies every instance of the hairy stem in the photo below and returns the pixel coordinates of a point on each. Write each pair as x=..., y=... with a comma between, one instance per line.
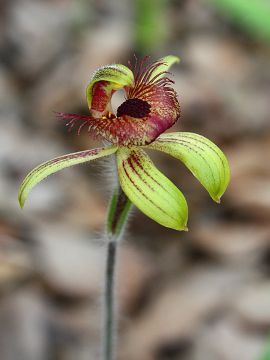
x=109, y=336
x=117, y=216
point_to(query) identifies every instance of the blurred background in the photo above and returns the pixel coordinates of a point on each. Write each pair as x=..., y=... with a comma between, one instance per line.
x=201, y=295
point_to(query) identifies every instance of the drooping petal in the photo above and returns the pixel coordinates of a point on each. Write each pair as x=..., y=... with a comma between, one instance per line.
x=59, y=163
x=151, y=191
x=102, y=84
x=202, y=157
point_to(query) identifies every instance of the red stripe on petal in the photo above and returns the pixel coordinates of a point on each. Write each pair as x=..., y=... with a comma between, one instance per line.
x=137, y=187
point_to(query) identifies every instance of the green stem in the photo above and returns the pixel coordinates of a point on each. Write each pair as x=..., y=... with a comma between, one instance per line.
x=109, y=330
x=117, y=216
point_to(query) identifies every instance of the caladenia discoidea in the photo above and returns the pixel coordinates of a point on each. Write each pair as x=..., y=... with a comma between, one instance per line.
x=138, y=124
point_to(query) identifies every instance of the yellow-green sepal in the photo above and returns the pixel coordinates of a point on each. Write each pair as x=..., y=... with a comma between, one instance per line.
x=201, y=156
x=164, y=65
x=151, y=191
x=117, y=75
x=54, y=165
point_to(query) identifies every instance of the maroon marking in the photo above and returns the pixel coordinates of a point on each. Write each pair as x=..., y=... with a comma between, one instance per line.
x=151, y=201
x=136, y=108
x=129, y=160
x=137, y=161
x=184, y=142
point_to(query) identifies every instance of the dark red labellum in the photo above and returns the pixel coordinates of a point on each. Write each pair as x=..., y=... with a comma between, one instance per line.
x=136, y=108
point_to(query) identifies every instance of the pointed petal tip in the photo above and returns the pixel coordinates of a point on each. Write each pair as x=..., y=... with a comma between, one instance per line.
x=21, y=201
x=181, y=227
x=177, y=59
x=173, y=59
x=217, y=199
x=170, y=60
x=178, y=227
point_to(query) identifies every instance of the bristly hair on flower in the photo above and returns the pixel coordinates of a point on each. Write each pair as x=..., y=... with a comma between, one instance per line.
x=150, y=107
x=145, y=75
x=75, y=121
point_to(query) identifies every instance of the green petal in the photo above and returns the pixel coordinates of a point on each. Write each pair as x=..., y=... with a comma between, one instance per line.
x=54, y=165
x=146, y=187
x=117, y=75
x=202, y=157
x=166, y=63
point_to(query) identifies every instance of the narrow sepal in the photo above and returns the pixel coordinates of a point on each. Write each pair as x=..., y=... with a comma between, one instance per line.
x=104, y=81
x=201, y=156
x=59, y=163
x=151, y=191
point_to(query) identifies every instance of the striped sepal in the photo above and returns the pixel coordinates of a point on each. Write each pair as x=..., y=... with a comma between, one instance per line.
x=202, y=157
x=54, y=165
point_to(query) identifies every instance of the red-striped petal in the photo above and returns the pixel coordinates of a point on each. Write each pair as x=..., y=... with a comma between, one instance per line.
x=151, y=191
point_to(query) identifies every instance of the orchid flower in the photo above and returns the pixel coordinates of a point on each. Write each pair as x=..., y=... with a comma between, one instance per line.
x=150, y=108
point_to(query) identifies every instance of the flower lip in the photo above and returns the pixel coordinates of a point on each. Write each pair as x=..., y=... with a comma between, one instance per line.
x=150, y=108
x=136, y=108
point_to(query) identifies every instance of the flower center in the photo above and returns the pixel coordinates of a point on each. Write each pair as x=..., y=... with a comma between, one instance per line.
x=136, y=108
x=108, y=116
